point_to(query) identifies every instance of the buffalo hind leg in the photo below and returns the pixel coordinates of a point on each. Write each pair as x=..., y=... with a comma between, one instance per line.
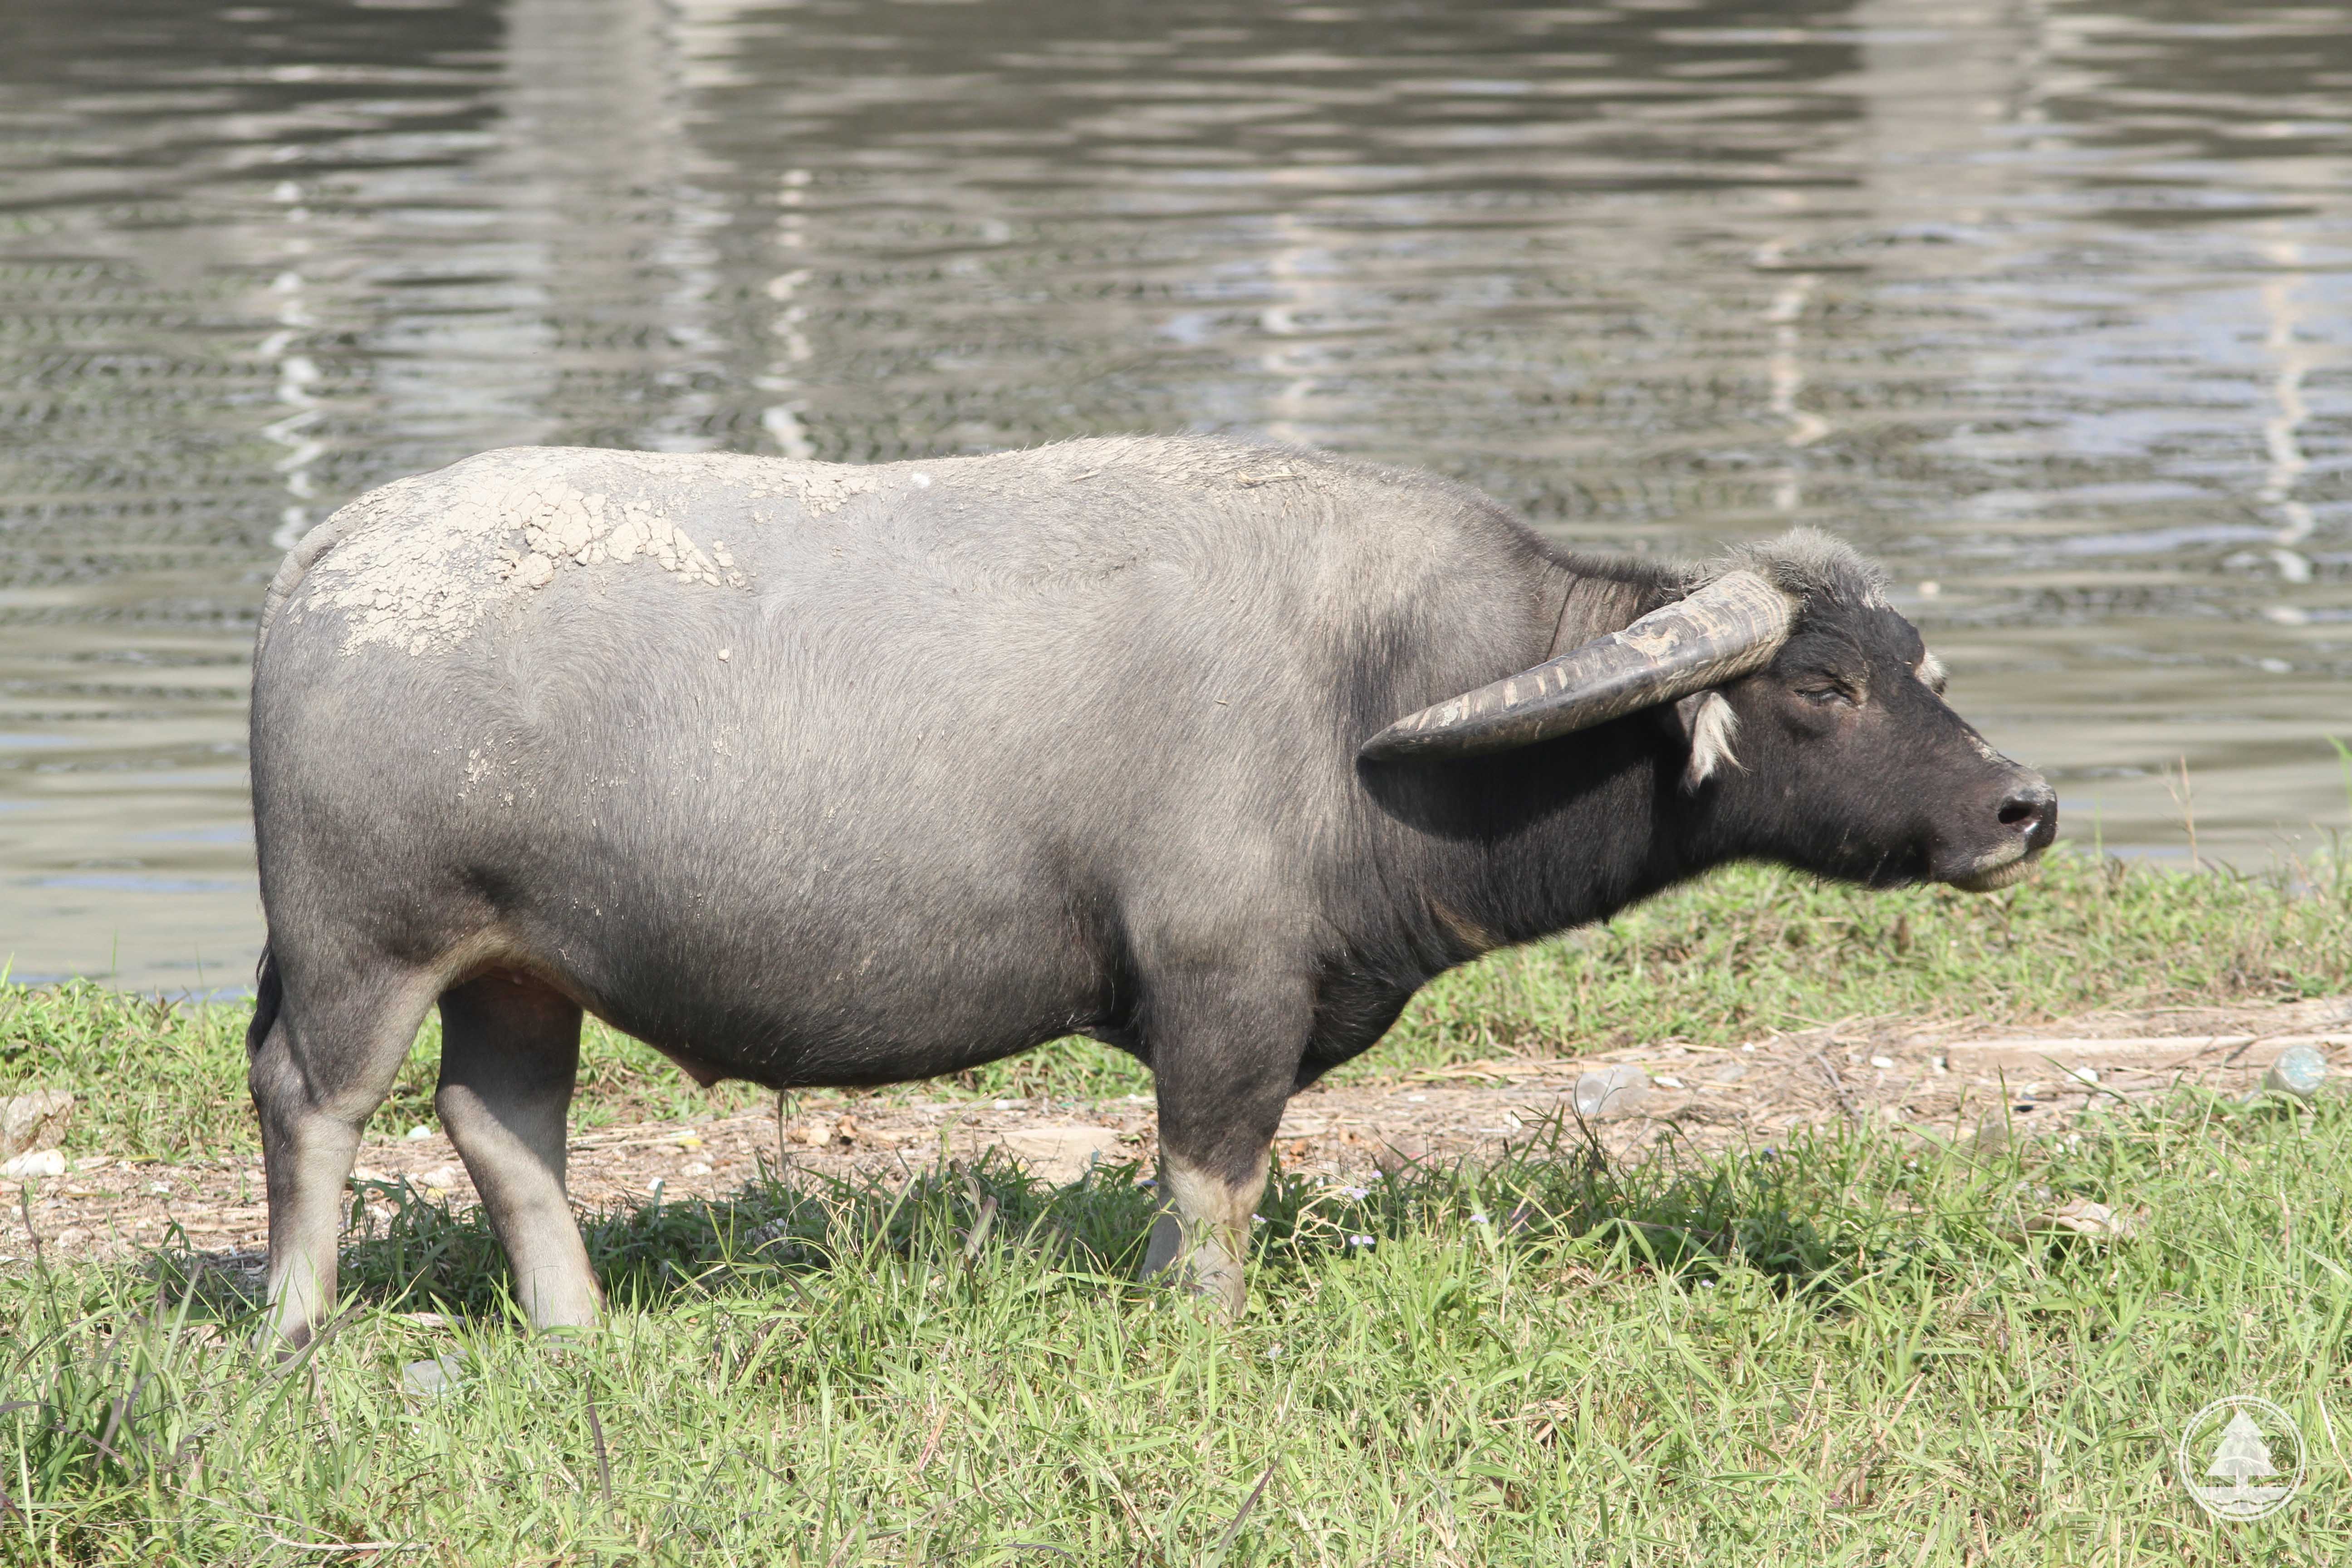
x=1226, y=1060
x=509, y=1052
x=326, y=1055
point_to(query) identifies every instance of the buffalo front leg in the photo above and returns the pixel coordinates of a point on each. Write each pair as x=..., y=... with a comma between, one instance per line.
x=1226, y=1065
x=510, y=1053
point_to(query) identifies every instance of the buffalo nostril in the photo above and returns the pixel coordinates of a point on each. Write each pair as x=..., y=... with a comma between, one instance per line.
x=2033, y=810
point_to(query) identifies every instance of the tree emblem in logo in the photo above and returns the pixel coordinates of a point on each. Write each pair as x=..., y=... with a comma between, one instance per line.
x=2226, y=1459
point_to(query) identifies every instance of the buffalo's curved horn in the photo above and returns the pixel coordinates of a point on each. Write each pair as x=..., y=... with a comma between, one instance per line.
x=1724, y=630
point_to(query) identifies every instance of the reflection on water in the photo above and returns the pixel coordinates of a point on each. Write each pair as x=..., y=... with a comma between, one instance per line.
x=2044, y=303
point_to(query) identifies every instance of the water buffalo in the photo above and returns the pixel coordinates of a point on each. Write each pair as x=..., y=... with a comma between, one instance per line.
x=816, y=774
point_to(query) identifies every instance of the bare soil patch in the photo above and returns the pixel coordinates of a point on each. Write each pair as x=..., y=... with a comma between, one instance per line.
x=1942, y=1080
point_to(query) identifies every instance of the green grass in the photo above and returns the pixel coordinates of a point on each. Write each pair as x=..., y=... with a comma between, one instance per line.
x=1753, y=948
x=1844, y=1350
x=1739, y=953
x=1842, y=1354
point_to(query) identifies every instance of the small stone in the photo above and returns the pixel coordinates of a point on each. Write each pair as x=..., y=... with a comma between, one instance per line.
x=694, y=1168
x=1062, y=1154
x=1613, y=1092
x=2081, y=1217
x=420, y=1131
x=40, y=1163
x=35, y=1121
x=1884, y=1064
x=432, y=1379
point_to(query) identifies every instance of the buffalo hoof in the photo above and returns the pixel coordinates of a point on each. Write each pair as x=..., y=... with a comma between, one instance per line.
x=1201, y=1271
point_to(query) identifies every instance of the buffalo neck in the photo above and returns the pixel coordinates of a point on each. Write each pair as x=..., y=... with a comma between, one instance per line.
x=1518, y=844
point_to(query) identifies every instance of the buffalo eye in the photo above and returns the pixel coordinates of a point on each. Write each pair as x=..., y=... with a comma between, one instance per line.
x=1829, y=694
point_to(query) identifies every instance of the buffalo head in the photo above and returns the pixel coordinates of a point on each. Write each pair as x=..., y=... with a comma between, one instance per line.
x=1810, y=717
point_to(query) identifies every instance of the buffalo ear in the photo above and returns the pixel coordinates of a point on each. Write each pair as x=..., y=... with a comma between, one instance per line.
x=1708, y=726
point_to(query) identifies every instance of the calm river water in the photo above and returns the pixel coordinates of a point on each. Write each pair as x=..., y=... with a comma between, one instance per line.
x=2044, y=303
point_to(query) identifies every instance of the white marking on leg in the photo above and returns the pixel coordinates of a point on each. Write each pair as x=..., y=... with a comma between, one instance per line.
x=302, y=1275
x=1201, y=1237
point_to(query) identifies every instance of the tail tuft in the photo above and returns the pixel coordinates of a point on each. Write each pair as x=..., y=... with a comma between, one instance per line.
x=268, y=994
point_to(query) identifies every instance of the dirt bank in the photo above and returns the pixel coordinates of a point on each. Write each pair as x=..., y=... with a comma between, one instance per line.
x=1941, y=1081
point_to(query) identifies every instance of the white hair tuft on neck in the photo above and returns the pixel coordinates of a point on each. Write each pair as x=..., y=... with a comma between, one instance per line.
x=1712, y=726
